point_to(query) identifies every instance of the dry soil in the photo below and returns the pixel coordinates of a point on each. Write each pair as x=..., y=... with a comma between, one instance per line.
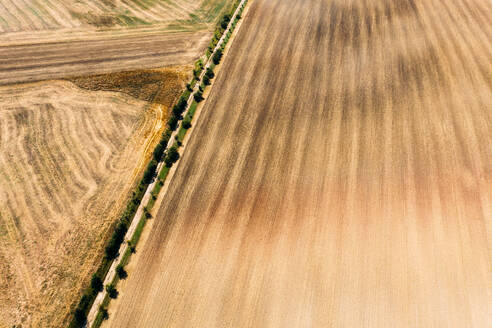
x=340, y=176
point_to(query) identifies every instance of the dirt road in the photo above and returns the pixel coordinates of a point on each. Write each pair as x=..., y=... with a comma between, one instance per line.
x=340, y=176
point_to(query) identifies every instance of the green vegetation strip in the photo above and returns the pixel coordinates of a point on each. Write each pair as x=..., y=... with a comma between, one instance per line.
x=169, y=157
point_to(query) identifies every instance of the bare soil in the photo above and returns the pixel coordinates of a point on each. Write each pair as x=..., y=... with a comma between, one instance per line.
x=98, y=54
x=340, y=175
x=159, y=86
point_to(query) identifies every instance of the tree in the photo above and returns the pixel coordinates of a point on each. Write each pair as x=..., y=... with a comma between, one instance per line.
x=217, y=56
x=116, y=240
x=225, y=20
x=158, y=151
x=198, y=96
x=121, y=272
x=177, y=110
x=84, y=302
x=132, y=247
x=206, y=80
x=147, y=213
x=172, y=156
x=112, y=292
x=210, y=73
x=80, y=311
x=80, y=317
x=96, y=283
x=173, y=122
x=150, y=171
x=198, y=69
x=182, y=103
x=104, y=312
x=186, y=124
x=165, y=138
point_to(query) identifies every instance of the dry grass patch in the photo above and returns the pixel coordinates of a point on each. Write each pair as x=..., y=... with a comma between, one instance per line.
x=160, y=86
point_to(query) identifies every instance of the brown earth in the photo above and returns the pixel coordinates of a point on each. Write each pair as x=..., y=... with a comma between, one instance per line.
x=68, y=161
x=93, y=55
x=340, y=176
x=158, y=86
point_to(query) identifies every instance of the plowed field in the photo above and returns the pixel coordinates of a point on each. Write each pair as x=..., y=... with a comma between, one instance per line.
x=340, y=175
x=48, y=39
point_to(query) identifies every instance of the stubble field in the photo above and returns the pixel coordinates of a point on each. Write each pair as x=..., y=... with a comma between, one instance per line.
x=69, y=159
x=49, y=39
x=340, y=175
x=39, y=15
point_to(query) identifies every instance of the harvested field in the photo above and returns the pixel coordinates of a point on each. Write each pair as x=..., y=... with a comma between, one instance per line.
x=68, y=161
x=90, y=56
x=39, y=15
x=340, y=175
x=50, y=39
